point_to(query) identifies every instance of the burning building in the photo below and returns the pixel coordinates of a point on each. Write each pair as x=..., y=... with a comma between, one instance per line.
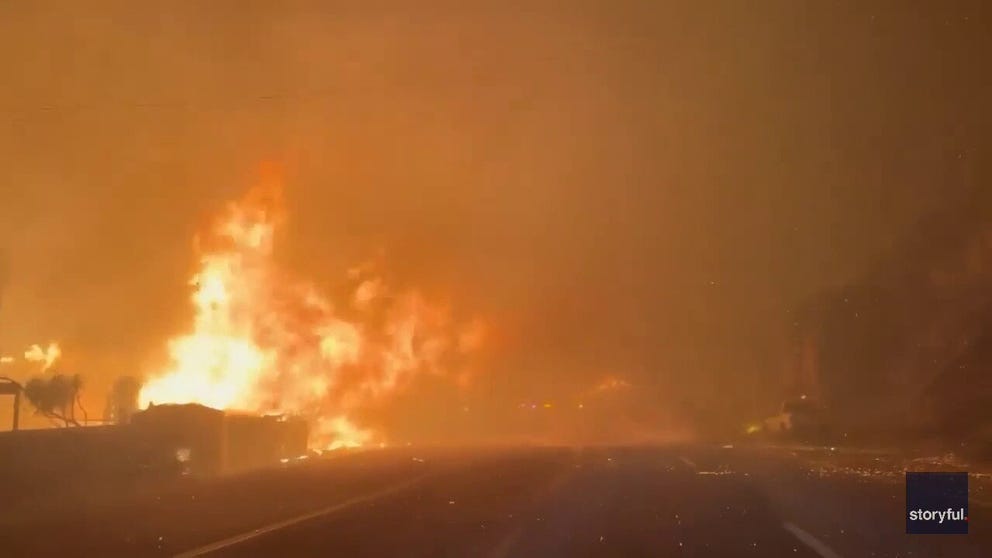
x=265, y=342
x=205, y=441
x=269, y=364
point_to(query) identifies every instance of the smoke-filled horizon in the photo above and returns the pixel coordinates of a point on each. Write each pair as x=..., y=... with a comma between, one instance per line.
x=640, y=191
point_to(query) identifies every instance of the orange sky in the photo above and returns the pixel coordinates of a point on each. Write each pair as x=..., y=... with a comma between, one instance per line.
x=635, y=189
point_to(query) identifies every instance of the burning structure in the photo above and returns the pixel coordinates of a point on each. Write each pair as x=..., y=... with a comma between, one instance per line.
x=160, y=442
x=264, y=342
x=201, y=440
x=265, y=346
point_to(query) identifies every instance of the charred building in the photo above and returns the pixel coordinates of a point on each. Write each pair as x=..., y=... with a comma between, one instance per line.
x=207, y=441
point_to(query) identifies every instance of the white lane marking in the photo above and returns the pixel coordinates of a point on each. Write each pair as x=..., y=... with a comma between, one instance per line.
x=504, y=547
x=688, y=462
x=815, y=544
x=237, y=539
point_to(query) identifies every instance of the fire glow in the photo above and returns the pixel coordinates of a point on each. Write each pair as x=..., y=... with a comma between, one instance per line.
x=46, y=356
x=264, y=342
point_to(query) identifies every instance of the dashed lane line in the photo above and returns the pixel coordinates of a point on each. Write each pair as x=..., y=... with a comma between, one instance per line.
x=814, y=544
x=688, y=462
x=351, y=502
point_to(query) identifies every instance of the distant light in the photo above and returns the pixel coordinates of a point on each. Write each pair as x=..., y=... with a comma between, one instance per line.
x=183, y=455
x=284, y=460
x=547, y=405
x=581, y=406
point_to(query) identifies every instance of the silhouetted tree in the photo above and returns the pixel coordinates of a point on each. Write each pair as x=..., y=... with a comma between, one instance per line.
x=56, y=397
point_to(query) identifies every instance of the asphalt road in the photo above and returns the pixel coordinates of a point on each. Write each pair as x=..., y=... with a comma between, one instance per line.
x=540, y=502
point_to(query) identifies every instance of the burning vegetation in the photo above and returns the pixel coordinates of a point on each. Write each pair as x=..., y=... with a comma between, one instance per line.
x=265, y=342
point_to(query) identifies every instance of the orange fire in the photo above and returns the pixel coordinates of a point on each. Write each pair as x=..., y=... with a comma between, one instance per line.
x=264, y=342
x=46, y=356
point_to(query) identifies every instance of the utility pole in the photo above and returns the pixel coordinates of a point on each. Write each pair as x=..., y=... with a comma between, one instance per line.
x=17, y=410
x=10, y=387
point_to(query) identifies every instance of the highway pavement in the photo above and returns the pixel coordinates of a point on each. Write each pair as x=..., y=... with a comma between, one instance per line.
x=691, y=500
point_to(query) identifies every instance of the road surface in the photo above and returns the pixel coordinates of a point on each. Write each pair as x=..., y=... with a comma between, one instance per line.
x=540, y=502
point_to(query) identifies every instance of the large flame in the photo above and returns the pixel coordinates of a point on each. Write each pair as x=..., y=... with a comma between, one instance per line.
x=44, y=355
x=264, y=342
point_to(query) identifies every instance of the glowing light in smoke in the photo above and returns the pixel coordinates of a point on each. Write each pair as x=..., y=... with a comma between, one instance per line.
x=612, y=383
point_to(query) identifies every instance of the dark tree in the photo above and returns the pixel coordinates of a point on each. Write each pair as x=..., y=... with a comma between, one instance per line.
x=56, y=397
